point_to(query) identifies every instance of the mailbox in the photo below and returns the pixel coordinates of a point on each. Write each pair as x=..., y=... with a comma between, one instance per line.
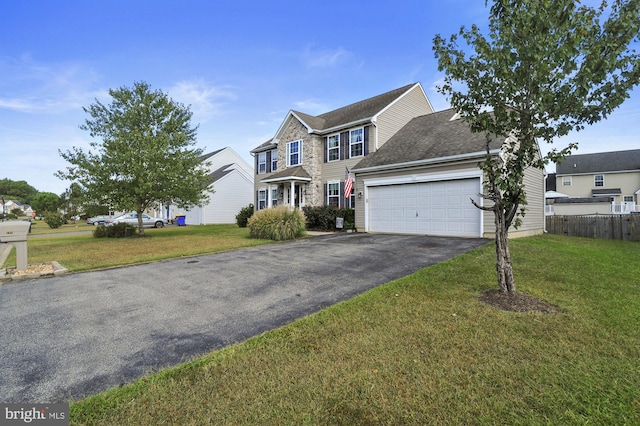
x=15, y=233
x=15, y=230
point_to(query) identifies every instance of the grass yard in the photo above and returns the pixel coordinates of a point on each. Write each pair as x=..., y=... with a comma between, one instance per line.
x=84, y=252
x=423, y=350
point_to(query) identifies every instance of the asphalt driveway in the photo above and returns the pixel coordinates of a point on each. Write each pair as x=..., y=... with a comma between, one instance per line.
x=70, y=336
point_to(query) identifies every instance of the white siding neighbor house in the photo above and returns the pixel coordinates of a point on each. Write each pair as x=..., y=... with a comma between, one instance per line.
x=232, y=183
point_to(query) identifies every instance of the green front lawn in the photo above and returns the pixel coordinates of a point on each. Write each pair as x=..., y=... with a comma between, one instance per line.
x=84, y=252
x=422, y=350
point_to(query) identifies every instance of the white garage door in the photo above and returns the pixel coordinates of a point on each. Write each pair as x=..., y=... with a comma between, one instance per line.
x=430, y=208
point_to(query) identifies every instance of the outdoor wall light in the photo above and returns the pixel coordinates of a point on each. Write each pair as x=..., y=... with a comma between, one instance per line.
x=359, y=194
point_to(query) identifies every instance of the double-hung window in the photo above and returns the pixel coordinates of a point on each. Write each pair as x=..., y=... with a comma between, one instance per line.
x=356, y=143
x=274, y=160
x=333, y=194
x=566, y=180
x=262, y=162
x=274, y=196
x=294, y=153
x=262, y=199
x=333, y=147
x=598, y=180
x=628, y=198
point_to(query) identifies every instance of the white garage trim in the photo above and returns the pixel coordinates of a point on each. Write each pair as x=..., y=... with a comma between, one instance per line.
x=372, y=185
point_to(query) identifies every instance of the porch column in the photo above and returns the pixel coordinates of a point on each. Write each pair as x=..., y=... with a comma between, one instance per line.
x=292, y=195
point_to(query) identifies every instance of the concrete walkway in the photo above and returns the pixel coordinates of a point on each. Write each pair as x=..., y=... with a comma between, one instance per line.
x=73, y=335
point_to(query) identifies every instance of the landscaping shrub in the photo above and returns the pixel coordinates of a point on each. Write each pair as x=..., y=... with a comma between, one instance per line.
x=54, y=220
x=324, y=218
x=117, y=230
x=277, y=223
x=243, y=217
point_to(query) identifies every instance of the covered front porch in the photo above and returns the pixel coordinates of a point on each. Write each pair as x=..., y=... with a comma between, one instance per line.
x=289, y=187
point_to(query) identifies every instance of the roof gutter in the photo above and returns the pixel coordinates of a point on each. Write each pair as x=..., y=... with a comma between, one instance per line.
x=459, y=157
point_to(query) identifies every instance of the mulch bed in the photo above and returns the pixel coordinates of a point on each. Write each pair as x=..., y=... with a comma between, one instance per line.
x=518, y=302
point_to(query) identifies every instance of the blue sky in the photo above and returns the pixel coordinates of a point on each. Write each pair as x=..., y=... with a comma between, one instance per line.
x=240, y=65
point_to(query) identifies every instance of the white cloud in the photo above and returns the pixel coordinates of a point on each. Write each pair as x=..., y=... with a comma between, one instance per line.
x=205, y=100
x=311, y=106
x=325, y=58
x=31, y=87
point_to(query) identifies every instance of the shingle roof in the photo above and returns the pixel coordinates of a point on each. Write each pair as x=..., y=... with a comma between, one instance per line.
x=264, y=146
x=296, y=171
x=600, y=162
x=428, y=137
x=220, y=173
x=209, y=155
x=354, y=112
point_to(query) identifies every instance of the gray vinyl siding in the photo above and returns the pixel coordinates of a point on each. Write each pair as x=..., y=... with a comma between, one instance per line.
x=411, y=105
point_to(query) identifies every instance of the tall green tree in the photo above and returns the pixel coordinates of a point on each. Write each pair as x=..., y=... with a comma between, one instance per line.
x=547, y=67
x=17, y=190
x=45, y=202
x=142, y=154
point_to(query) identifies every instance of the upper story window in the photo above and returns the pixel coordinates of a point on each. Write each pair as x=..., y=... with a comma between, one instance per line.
x=566, y=180
x=274, y=160
x=628, y=199
x=262, y=162
x=333, y=147
x=356, y=143
x=294, y=153
x=598, y=180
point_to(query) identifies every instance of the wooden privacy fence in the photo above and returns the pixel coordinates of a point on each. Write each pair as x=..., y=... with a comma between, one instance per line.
x=613, y=227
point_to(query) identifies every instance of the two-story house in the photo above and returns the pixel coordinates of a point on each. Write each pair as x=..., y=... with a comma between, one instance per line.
x=600, y=183
x=414, y=170
x=306, y=162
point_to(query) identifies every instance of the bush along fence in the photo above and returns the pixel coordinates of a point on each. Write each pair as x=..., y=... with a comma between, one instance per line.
x=613, y=227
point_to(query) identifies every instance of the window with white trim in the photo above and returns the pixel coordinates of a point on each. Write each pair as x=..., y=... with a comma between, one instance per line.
x=333, y=193
x=274, y=160
x=262, y=199
x=598, y=180
x=356, y=142
x=262, y=162
x=274, y=196
x=628, y=198
x=566, y=180
x=294, y=153
x=333, y=147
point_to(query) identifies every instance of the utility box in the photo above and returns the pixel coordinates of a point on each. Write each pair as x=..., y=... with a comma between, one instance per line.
x=15, y=233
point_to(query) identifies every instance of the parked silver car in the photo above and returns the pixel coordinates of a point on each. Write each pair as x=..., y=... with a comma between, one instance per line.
x=132, y=218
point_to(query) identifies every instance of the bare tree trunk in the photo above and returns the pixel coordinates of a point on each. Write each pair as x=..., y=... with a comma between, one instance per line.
x=504, y=269
x=140, y=226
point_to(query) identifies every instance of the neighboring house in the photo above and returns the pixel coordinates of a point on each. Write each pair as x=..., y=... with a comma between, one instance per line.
x=10, y=205
x=601, y=183
x=232, y=183
x=415, y=170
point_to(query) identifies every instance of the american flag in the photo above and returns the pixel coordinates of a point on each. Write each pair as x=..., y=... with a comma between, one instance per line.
x=348, y=184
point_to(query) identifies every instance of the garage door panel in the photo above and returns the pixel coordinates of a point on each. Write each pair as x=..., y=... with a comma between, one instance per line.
x=436, y=208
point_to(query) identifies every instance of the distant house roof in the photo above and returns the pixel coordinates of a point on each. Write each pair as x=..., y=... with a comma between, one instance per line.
x=600, y=162
x=429, y=137
x=606, y=191
x=209, y=155
x=220, y=173
x=582, y=200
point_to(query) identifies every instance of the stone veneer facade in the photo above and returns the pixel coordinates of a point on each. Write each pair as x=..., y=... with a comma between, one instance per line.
x=312, y=158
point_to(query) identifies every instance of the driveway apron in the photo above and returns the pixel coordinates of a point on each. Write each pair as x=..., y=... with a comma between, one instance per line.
x=66, y=337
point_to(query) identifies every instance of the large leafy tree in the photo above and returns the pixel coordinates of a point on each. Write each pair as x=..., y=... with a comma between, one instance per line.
x=143, y=153
x=17, y=190
x=45, y=202
x=547, y=67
